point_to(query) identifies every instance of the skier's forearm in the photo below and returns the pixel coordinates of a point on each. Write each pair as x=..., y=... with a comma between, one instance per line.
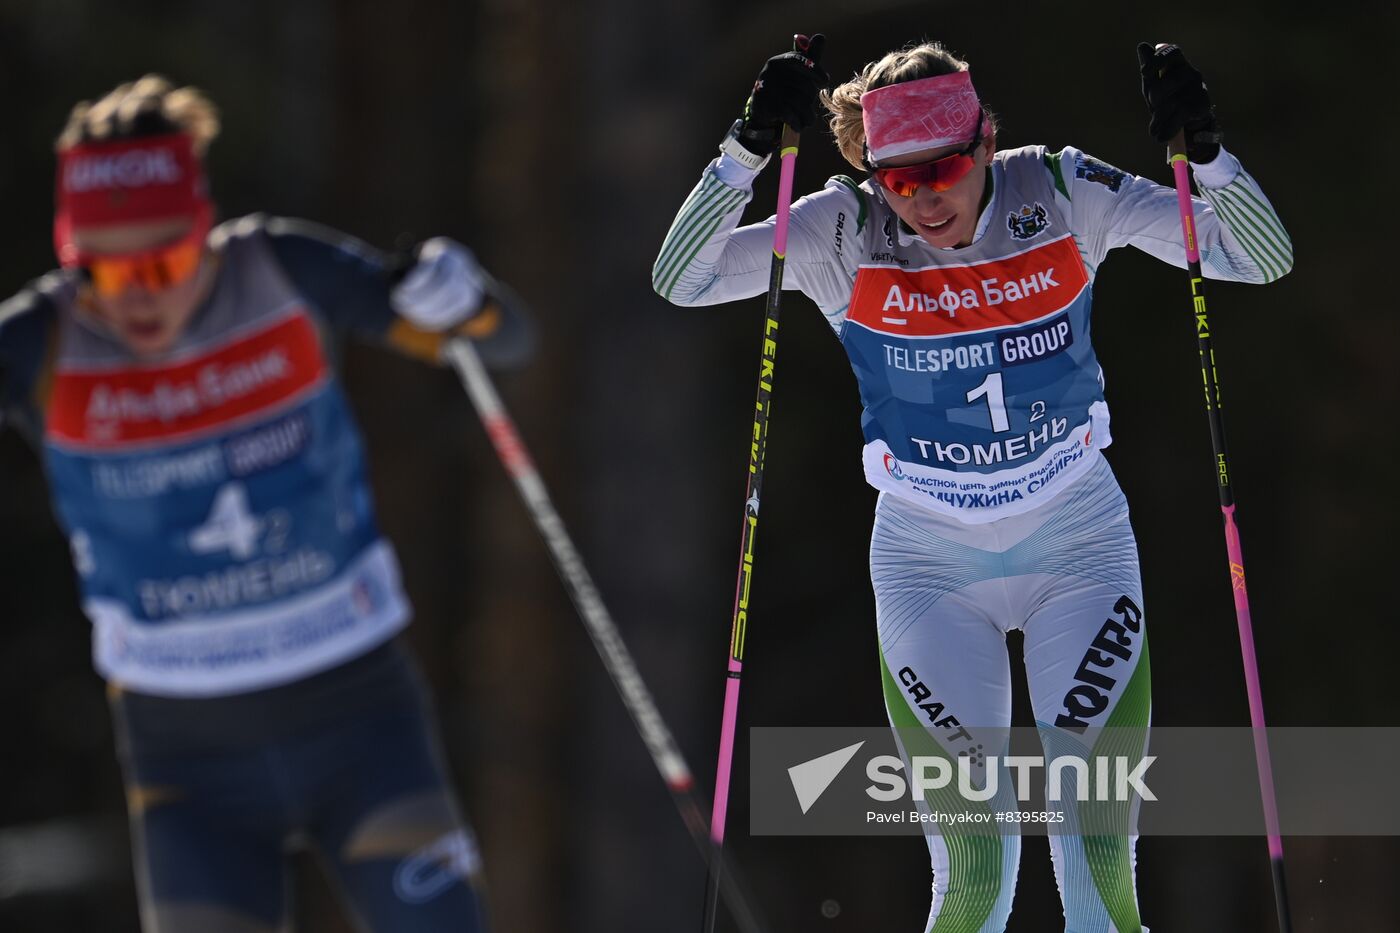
x=704, y=259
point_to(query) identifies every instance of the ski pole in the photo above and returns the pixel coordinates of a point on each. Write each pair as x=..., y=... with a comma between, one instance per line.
x=1176, y=158
x=598, y=622
x=757, y=447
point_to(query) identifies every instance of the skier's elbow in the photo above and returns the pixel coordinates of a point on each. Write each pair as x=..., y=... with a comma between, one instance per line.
x=1284, y=264
x=659, y=284
x=677, y=292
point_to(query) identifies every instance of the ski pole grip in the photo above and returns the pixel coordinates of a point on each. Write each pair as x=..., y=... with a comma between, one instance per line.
x=1176, y=146
x=430, y=346
x=811, y=47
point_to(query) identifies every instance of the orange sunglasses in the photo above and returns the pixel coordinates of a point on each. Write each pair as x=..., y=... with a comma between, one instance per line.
x=153, y=269
x=939, y=175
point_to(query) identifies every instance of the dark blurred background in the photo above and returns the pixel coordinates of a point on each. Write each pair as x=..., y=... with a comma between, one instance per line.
x=557, y=140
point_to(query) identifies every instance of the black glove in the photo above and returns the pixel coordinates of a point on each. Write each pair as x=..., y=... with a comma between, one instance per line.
x=785, y=92
x=1177, y=100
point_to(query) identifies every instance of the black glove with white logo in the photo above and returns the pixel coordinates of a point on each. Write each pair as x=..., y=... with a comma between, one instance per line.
x=785, y=93
x=1177, y=100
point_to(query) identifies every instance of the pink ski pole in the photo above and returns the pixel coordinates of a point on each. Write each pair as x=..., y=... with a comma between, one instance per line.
x=1176, y=157
x=762, y=407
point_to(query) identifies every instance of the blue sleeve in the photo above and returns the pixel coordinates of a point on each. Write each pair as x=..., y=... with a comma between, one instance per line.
x=26, y=321
x=349, y=282
x=346, y=279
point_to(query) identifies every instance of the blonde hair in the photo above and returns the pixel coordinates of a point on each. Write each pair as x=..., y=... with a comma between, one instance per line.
x=149, y=106
x=907, y=64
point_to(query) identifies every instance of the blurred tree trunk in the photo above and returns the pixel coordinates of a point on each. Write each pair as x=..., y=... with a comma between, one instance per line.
x=451, y=140
x=646, y=458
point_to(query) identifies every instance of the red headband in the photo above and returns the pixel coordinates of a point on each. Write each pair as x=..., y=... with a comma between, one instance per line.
x=126, y=181
x=927, y=113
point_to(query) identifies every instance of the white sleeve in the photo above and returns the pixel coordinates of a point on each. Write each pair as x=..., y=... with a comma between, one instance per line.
x=707, y=258
x=1241, y=238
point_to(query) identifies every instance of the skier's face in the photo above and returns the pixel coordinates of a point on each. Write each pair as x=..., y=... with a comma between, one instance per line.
x=147, y=303
x=943, y=218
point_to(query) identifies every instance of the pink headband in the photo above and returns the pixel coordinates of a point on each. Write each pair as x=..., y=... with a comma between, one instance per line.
x=925, y=114
x=125, y=181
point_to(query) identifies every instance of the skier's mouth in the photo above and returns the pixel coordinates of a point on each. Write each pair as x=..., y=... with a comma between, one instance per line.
x=940, y=226
x=145, y=329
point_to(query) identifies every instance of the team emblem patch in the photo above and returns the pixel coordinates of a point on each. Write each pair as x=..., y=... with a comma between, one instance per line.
x=1100, y=173
x=1027, y=222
